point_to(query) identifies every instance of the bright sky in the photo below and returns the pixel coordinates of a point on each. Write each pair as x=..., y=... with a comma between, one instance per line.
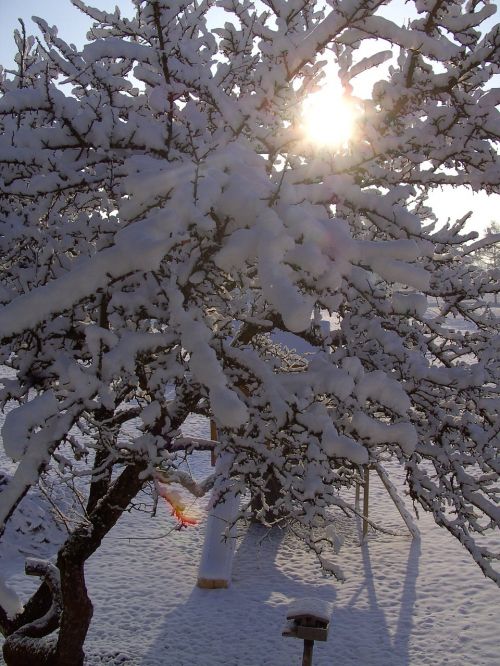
x=71, y=22
x=73, y=25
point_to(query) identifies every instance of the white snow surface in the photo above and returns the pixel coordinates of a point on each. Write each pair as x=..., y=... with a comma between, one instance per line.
x=403, y=603
x=310, y=606
x=9, y=600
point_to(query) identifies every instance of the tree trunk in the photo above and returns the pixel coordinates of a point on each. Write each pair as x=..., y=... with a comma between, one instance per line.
x=77, y=607
x=24, y=651
x=103, y=465
x=21, y=647
x=30, y=644
x=77, y=610
x=100, y=481
x=263, y=504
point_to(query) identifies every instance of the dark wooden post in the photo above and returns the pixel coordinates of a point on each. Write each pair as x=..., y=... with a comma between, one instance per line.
x=366, y=493
x=213, y=437
x=307, y=657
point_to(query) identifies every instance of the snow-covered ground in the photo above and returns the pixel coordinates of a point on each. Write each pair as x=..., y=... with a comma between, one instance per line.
x=403, y=603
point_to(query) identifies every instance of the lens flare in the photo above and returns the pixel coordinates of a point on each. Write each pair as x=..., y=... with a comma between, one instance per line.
x=329, y=117
x=179, y=510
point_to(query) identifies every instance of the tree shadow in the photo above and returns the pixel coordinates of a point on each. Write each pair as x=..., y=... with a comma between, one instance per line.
x=242, y=625
x=251, y=606
x=361, y=632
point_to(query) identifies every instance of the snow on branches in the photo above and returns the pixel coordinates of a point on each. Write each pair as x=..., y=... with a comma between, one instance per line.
x=164, y=222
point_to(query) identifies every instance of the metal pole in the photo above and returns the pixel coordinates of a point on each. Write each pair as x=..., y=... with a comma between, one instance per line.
x=307, y=658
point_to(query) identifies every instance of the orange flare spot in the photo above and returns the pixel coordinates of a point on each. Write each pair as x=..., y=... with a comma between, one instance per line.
x=178, y=507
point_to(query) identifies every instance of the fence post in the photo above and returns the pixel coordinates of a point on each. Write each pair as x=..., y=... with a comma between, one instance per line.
x=366, y=493
x=213, y=437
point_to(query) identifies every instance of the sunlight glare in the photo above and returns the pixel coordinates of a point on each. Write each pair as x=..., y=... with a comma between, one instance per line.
x=329, y=117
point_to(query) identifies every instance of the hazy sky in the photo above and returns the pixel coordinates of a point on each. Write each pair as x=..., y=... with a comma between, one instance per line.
x=73, y=25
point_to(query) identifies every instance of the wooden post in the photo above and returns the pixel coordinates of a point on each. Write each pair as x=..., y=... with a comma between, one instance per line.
x=307, y=657
x=356, y=497
x=393, y=494
x=213, y=437
x=366, y=493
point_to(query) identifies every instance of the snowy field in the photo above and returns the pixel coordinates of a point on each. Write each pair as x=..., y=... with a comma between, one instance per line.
x=403, y=603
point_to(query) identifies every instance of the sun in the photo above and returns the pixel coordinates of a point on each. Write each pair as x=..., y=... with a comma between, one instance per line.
x=329, y=117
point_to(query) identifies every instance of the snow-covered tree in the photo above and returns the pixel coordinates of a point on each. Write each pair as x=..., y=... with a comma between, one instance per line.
x=487, y=252
x=164, y=220
x=488, y=255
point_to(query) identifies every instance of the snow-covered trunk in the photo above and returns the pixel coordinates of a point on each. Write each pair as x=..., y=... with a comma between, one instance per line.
x=28, y=652
x=220, y=536
x=30, y=638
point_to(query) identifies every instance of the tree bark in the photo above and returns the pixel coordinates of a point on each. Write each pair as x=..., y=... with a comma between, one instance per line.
x=268, y=496
x=31, y=644
x=100, y=481
x=77, y=607
x=21, y=647
x=103, y=467
x=77, y=611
